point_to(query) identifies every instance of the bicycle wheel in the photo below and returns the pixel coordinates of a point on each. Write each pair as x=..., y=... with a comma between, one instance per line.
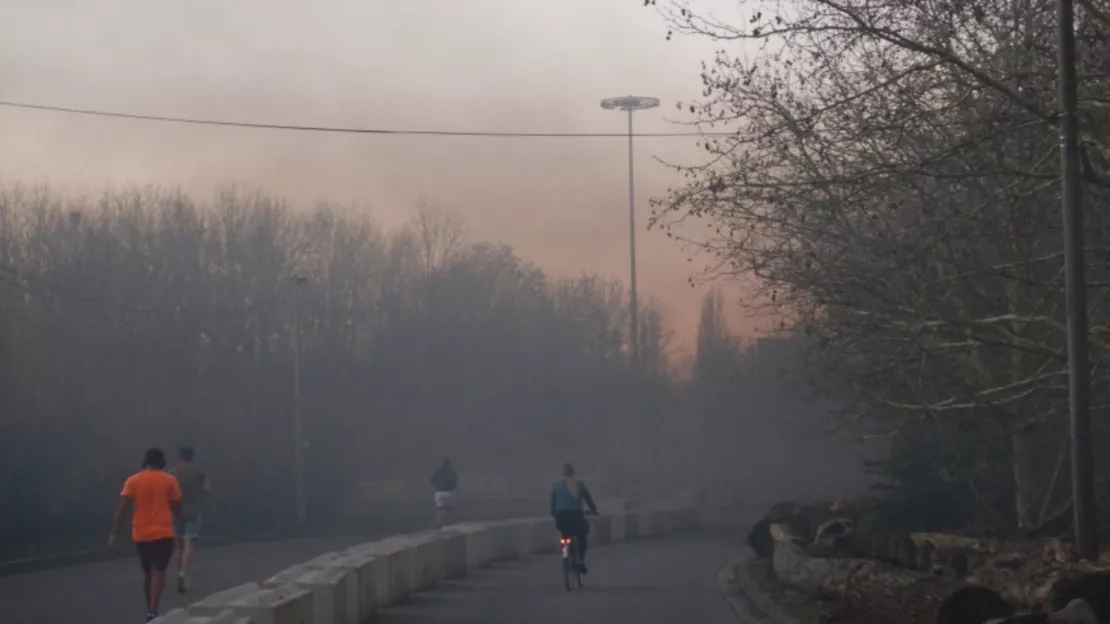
x=568, y=567
x=577, y=565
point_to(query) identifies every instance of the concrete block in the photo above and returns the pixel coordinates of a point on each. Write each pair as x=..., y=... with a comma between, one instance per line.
x=359, y=581
x=632, y=524
x=399, y=570
x=288, y=575
x=181, y=616
x=287, y=604
x=454, y=554
x=498, y=540
x=670, y=521
x=319, y=562
x=367, y=582
x=429, y=562
x=522, y=540
x=601, y=530
x=368, y=578
x=618, y=528
x=479, y=544
x=688, y=518
x=541, y=535
x=335, y=591
x=511, y=539
x=229, y=617
x=212, y=604
x=331, y=603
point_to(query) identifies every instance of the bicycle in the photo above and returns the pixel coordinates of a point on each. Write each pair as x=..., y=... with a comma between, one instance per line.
x=572, y=566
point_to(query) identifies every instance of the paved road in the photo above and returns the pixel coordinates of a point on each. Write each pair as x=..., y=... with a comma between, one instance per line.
x=661, y=580
x=110, y=592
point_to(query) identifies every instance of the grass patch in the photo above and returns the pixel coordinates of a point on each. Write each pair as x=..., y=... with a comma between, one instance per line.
x=799, y=607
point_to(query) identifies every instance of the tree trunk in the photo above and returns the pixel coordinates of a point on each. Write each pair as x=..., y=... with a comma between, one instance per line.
x=878, y=591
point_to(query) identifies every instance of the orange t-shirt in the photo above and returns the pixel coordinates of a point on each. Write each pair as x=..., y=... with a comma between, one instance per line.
x=151, y=491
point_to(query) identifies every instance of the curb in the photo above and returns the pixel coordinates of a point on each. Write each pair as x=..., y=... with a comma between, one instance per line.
x=746, y=598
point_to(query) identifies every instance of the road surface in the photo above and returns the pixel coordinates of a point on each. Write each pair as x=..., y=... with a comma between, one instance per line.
x=110, y=592
x=669, y=580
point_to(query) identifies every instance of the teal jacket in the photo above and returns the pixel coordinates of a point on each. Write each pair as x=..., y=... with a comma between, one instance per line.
x=565, y=498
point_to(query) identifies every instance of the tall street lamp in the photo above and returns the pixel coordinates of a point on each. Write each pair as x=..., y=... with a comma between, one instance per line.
x=631, y=104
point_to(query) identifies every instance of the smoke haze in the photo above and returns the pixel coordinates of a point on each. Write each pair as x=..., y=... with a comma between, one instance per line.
x=485, y=65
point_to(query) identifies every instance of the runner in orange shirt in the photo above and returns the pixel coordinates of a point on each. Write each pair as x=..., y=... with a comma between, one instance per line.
x=155, y=497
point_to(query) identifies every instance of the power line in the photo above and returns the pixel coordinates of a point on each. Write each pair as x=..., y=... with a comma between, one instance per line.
x=342, y=130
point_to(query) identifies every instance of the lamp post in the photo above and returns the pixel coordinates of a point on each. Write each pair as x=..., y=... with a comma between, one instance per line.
x=1075, y=287
x=631, y=104
x=298, y=425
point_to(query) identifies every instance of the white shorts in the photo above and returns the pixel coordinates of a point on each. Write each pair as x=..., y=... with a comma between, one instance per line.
x=443, y=499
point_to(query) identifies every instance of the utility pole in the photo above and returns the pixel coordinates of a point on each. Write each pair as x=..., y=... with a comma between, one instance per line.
x=1075, y=285
x=298, y=424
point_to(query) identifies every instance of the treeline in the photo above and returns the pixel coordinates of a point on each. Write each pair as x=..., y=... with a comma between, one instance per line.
x=894, y=185
x=145, y=317
x=762, y=436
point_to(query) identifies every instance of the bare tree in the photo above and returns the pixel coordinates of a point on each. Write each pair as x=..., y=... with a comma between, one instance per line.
x=891, y=183
x=439, y=233
x=143, y=316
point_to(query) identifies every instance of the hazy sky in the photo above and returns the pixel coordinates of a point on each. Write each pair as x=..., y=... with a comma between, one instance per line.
x=500, y=65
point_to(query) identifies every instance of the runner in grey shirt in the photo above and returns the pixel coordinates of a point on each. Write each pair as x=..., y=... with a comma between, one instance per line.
x=445, y=481
x=195, y=488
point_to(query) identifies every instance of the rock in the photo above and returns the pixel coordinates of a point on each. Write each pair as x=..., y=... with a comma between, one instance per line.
x=1093, y=589
x=973, y=605
x=879, y=591
x=803, y=521
x=1076, y=612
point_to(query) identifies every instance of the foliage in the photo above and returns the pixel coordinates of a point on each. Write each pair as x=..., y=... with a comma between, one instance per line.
x=144, y=317
x=892, y=183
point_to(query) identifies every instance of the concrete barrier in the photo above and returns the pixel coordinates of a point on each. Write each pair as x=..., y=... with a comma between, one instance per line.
x=479, y=544
x=399, y=570
x=632, y=523
x=513, y=539
x=371, y=580
x=350, y=586
x=454, y=554
x=601, y=530
x=335, y=592
x=286, y=604
x=429, y=562
x=355, y=573
x=690, y=517
x=542, y=536
x=214, y=603
x=181, y=616
x=618, y=528
x=670, y=521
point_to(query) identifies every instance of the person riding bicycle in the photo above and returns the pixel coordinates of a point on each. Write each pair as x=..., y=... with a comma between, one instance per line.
x=567, y=496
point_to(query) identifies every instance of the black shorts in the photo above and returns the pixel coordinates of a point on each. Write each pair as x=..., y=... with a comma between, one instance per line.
x=156, y=554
